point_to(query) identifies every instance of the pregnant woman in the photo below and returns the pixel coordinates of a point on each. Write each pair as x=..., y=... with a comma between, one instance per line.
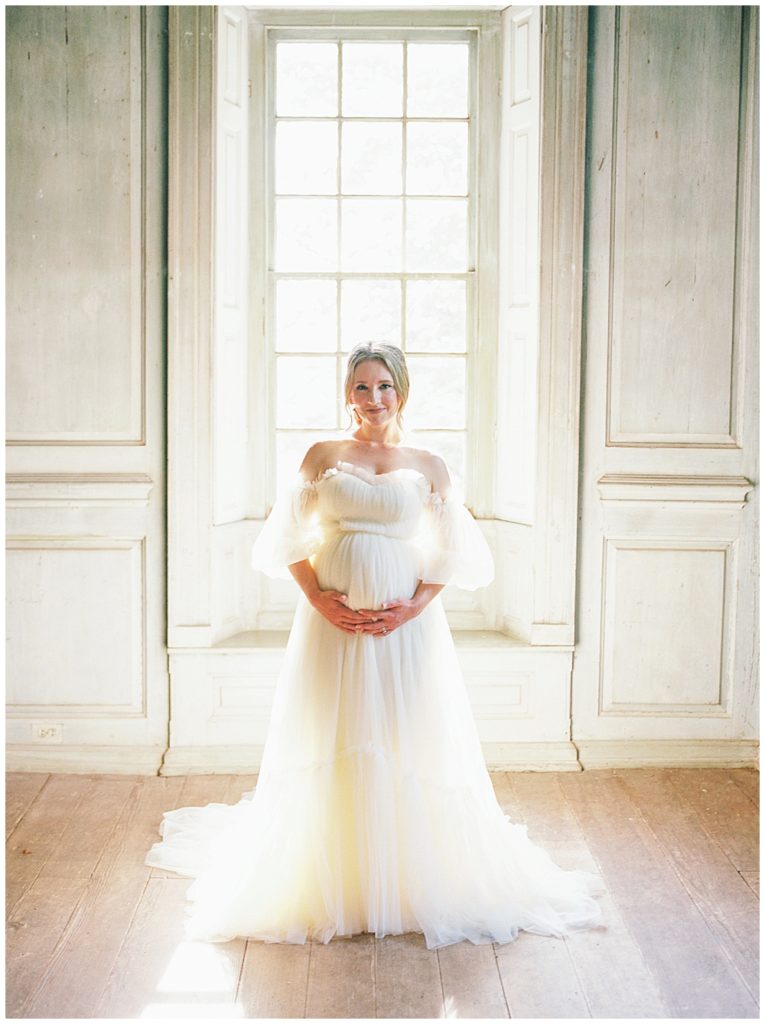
x=374, y=811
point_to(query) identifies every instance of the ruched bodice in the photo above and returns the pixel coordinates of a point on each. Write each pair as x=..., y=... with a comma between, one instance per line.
x=351, y=499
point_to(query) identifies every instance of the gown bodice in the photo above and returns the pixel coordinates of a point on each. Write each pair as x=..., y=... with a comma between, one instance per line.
x=349, y=499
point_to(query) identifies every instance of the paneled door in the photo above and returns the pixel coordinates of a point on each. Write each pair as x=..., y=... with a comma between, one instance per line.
x=86, y=218
x=664, y=667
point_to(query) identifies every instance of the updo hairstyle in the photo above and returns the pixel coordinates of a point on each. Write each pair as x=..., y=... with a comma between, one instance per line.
x=392, y=358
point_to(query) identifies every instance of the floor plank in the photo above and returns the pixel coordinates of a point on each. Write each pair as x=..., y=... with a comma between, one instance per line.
x=694, y=975
x=38, y=919
x=539, y=978
x=725, y=899
x=747, y=779
x=274, y=980
x=83, y=959
x=628, y=988
x=40, y=831
x=21, y=789
x=407, y=982
x=341, y=980
x=471, y=982
x=94, y=932
x=82, y=844
x=159, y=973
x=725, y=811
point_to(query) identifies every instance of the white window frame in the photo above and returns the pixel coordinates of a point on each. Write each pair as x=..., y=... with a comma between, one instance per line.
x=483, y=30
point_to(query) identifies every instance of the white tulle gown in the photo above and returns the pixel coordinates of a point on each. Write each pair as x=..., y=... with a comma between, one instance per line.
x=374, y=811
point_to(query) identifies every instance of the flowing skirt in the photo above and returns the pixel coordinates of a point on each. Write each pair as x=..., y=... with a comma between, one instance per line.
x=373, y=811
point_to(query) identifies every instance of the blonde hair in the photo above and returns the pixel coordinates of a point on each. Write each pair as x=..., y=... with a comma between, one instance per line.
x=394, y=361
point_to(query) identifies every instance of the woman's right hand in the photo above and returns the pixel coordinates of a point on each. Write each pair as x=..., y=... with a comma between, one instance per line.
x=334, y=607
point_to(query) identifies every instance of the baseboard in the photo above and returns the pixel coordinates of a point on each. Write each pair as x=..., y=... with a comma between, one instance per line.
x=84, y=759
x=531, y=757
x=698, y=753
x=232, y=759
x=236, y=759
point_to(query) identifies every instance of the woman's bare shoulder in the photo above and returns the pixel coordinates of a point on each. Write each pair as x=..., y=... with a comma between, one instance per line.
x=320, y=456
x=434, y=468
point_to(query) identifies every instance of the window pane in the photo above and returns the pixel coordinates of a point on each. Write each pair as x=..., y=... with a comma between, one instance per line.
x=306, y=316
x=436, y=235
x=306, y=157
x=371, y=234
x=306, y=79
x=306, y=234
x=437, y=396
x=437, y=80
x=449, y=445
x=291, y=446
x=306, y=391
x=372, y=79
x=371, y=158
x=436, y=316
x=371, y=311
x=437, y=159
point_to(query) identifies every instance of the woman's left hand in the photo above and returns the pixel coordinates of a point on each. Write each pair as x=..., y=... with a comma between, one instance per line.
x=390, y=616
x=393, y=614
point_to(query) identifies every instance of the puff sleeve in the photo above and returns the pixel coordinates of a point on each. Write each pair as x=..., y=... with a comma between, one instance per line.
x=454, y=551
x=291, y=532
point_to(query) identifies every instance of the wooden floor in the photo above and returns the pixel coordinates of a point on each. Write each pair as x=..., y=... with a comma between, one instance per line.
x=92, y=932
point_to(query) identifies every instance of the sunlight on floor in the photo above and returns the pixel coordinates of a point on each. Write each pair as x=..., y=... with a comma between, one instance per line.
x=450, y=1007
x=198, y=967
x=200, y=980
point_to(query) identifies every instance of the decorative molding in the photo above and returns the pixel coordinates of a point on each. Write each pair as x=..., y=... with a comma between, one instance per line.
x=83, y=758
x=564, y=107
x=136, y=550
x=680, y=753
x=724, y=628
x=622, y=174
x=190, y=317
x=139, y=254
x=684, y=491
x=71, y=490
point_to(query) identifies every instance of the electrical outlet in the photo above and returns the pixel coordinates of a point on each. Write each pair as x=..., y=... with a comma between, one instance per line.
x=47, y=732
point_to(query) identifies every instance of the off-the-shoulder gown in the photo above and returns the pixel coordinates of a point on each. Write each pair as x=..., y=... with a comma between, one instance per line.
x=373, y=810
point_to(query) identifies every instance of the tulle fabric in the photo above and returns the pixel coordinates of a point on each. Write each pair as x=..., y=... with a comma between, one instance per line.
x=373, y=809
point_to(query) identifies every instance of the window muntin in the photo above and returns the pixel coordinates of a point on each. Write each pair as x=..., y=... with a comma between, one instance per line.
x=372, y=227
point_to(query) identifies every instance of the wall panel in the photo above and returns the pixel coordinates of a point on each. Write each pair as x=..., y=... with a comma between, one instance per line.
x=75, y=229
x=87, y=683
x=675, y=153
x=666, y=666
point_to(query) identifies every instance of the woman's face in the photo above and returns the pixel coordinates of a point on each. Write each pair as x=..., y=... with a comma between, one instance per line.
x=373, y=393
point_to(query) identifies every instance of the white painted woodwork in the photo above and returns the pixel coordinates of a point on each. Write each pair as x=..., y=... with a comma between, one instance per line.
x=518, y=341
x=221, y=702
x=665, y=664
x=673, y=373
x=87, y=685
x=637, y=540
x=75, y=226
x=231, y=278
x=191, y=145
x=563, y=113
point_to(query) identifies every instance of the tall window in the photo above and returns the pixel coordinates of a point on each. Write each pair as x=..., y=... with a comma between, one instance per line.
x=372, y=226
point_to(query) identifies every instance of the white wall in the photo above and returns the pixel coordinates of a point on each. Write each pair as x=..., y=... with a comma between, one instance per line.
x=86, y=174
x=665, y=664
x=649, y=591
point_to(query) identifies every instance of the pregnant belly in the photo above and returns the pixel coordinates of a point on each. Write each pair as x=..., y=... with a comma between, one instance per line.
x=370, y=568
